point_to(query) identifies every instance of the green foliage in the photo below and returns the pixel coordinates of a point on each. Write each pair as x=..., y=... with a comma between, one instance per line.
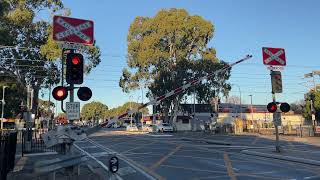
x=44, y=108
x=170, y=49
x=115, y=112
x=298, y=107
x=13, y=95
x=307, y=111
x=315, y=98
x=93, y=110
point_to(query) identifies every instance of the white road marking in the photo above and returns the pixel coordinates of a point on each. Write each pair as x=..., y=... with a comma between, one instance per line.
x=122, y=158
x=88, y=147
x=159, y=135
x=99, y=162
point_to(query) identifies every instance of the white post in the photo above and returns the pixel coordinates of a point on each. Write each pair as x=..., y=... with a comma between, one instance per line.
x=2, y=105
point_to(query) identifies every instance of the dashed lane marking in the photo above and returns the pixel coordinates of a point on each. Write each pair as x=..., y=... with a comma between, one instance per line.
x=229, y=166
x=164, y=158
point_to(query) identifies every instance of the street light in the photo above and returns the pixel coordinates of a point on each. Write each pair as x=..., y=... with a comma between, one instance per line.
x=2, y=105
x=240, y=100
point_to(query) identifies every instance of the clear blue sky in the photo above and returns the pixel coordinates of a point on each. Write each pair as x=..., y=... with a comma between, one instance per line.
x=241, y=27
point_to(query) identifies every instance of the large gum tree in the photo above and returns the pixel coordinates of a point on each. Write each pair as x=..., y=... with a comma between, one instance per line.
x=168, y=50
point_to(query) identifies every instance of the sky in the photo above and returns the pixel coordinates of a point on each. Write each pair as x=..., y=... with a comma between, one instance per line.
x=241, y=27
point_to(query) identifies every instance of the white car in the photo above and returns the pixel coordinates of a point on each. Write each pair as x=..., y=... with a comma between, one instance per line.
x=164, y=127
x=132, y=128
x=147, y=127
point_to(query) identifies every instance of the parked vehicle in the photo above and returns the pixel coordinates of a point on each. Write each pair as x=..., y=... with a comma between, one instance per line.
x=113, y=125
x=132, y=128
x=164, y=127
x=147, y=127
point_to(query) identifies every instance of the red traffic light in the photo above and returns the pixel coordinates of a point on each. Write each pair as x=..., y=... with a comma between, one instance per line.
x=84, y=93
x=60, y=93
x=74, y=69
x=75, y=60
x=272, y=107
x=284, y=107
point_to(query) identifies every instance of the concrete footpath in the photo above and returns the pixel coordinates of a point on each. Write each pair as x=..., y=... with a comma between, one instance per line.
x=305, y=150
x=315, y=141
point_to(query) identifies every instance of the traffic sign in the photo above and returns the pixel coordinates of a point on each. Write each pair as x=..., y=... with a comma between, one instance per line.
x=73, y=30
x=273, y=56
x=73, y=110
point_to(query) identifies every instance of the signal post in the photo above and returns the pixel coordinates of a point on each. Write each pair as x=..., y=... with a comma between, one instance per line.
x=70, y=37
x=275, y=59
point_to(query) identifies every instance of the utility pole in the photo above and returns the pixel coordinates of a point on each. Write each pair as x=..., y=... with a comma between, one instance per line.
x=2, y=105
x=251, y=108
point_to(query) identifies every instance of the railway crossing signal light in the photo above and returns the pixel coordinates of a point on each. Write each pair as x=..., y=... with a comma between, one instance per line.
x=84, y=93
x=272, y=107
x=74, y=72
x=60, y=93
x=285, y=107
x=276, y=82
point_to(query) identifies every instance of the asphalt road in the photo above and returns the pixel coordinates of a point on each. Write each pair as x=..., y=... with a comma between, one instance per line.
x=198, y=156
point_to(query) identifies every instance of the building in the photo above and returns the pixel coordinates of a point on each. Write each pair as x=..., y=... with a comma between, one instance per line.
x=228, y=114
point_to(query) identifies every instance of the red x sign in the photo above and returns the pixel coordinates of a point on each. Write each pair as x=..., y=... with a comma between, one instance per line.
x=273, y=56
x=72, y=30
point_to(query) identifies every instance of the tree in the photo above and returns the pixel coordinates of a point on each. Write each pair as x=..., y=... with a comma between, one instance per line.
x=313, y=97
x=13, y=94
x=44, y=108
x=298, y=106
x=307, y=112
x=93, y=110
x=31, y=61
x=168, y=50
x=114, y=112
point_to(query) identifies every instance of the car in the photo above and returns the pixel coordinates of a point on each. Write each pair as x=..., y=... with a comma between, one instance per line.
x=147, y=127
x=132, y=128
x=164, y=127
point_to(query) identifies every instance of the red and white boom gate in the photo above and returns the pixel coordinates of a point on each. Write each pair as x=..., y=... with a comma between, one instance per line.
x=182, y=88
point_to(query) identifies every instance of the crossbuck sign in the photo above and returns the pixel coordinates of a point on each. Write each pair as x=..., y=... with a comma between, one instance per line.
x=72, y=30
x=273, y=56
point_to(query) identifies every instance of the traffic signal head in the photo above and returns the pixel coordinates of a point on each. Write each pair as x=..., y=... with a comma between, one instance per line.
x=284, y=107
x=272, y=107
x=84, y=93
x=74, y=73
x=276, y=82
x=60, y=93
